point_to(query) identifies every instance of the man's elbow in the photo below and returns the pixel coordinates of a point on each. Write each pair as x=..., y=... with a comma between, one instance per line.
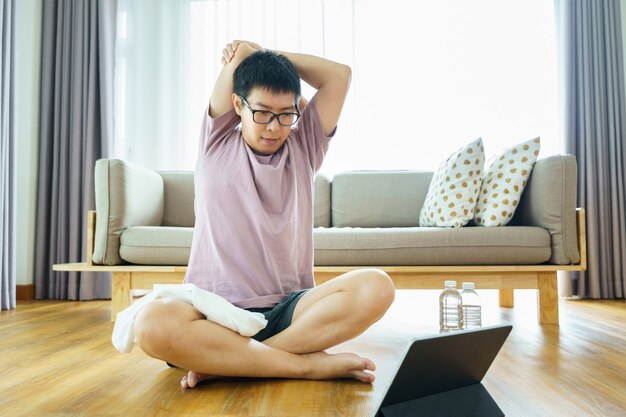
x=345, y=73
x=341, y=77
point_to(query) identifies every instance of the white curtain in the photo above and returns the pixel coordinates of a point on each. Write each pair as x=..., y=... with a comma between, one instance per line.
x=428, y=76
x=151, y=84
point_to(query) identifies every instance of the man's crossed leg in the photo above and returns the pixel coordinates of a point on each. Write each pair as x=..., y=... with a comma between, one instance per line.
x=325, y=316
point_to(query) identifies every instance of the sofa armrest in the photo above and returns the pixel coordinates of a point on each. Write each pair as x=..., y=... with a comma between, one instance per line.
x=549, y=201
x=127, y=195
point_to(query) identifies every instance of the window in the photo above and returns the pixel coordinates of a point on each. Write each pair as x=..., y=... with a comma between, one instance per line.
x=428, y=77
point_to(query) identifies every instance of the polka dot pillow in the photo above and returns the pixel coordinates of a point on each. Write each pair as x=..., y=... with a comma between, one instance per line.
x=503, y=183
x=454, y=188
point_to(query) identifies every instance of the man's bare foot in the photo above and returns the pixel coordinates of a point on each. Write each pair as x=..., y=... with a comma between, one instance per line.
x=322, y=365
x=194, y=378
x=342, y=365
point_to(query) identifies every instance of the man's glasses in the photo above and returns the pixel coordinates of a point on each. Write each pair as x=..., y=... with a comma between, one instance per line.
x=265, y=117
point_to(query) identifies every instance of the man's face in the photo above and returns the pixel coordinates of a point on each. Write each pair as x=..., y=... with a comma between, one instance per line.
x=264, y=138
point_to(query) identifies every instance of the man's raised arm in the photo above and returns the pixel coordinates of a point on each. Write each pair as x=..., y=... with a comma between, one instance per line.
x=330, y=79
x=232, y=55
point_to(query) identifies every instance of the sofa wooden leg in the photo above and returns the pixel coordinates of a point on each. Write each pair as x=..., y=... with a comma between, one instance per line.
x=120, y=292
x=506, y=298
x=548, y=302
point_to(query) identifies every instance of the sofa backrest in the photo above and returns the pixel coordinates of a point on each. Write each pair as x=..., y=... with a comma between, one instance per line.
x=321, y=201
x=378, y=198
x=178, y=196
x=129, y=195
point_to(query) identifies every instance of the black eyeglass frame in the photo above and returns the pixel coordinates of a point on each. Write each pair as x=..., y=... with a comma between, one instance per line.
x=274, y=115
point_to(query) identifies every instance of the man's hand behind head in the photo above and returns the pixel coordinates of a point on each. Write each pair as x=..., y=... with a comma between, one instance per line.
x=253, y=45
x=237, y=51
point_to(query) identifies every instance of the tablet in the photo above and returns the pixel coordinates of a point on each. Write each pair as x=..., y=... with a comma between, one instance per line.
x=445, y=370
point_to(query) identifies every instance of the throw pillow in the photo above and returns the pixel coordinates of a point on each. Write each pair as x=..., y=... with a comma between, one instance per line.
x=503, y=184
x=454, y=188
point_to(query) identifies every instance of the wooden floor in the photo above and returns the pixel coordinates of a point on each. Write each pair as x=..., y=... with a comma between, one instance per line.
x=56, y=359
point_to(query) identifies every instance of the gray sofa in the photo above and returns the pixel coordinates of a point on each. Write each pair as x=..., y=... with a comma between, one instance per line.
x=142, y=230
x=361, y=218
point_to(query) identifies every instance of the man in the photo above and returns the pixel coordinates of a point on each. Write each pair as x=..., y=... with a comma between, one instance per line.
x=253, y=237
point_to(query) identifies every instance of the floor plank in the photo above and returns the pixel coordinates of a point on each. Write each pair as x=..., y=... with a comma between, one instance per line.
x=56, y=359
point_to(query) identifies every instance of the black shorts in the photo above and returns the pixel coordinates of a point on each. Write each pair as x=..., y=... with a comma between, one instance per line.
x=279, y=316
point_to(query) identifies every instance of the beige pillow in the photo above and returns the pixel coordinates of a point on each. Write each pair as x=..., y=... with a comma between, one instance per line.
x=503, y=183
x=454, y=188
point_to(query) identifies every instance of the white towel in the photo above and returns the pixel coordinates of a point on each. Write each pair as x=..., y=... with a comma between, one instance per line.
x=214, y=307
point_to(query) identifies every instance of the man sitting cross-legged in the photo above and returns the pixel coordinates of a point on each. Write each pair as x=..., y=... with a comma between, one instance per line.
x=253, y=237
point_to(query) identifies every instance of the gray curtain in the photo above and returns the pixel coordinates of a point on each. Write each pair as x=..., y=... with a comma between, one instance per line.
x=76, y=130
x=7, y=154
x=592, y=71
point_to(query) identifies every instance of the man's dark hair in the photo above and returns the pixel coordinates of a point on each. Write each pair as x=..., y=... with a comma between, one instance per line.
x=268, y=70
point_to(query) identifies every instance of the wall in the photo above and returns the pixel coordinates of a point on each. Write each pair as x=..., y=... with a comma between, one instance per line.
x=28, y=93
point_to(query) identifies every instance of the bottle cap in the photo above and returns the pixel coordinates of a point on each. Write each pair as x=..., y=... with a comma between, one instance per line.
x=468, y=285
x=451, y=284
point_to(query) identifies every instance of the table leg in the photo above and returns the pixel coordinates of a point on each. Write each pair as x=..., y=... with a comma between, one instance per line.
x=507, y=298
x=120, y=292
x=548, y=298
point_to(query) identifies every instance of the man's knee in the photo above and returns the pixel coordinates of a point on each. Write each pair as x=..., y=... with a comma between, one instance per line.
x=377, y=290
x=154, y=327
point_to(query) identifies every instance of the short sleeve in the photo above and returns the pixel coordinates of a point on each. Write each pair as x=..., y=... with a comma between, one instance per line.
x=309, y=136
x=216, y=129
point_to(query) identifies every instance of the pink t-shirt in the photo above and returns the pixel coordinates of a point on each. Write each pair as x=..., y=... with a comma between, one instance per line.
x=253, y=237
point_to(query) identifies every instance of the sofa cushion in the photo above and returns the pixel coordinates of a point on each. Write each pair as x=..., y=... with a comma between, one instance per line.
x=454, y=189
x=378, y=198
x=503, y=183
x=127, y=195
x=432, y=246
x=369, y=246
x=149, y=245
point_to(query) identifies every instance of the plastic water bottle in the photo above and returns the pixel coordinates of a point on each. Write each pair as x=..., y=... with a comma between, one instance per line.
x=450, y=311
x=472, y=312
